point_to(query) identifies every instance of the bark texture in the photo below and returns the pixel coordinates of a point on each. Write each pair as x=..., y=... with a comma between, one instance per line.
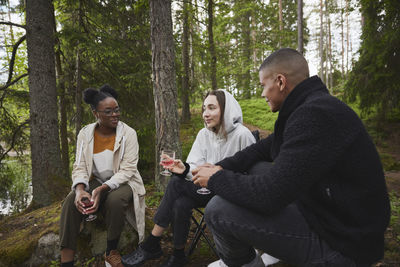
x=186, y=68
x=45, y=145
x=164, y=84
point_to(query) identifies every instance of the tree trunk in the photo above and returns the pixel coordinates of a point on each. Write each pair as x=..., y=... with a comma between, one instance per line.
x=45, y=146
x=300, y=41
x=280, y=24
x=347, y=36
x=213, y=68
x=321, y=41
x=63, y=109
x=329, y=52
x=164, y=86
x=342, y=34
x=246, y=55
x=78, y=93
x=185, y=61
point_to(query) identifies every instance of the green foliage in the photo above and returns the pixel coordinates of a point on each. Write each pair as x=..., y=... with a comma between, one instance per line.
x=389, y=162
x=188, y=132
x=257, y=112
x=153, y=197
x=114, y=42
x=375, y=78
x=392, y=240
x=15, y=177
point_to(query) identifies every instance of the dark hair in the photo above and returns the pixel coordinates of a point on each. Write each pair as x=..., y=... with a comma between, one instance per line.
x=221, y=102
x=93, y=96
x=283, y=56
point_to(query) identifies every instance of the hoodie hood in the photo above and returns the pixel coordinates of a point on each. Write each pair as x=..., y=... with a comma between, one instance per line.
x=233, y=112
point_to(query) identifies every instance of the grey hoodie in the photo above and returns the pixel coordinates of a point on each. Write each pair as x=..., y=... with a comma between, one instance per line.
x=210, y=147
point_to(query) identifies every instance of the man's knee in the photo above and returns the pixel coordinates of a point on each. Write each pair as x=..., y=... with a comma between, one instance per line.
x=216, y=208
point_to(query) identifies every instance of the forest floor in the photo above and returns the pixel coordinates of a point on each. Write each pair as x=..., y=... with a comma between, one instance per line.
x=203, y=255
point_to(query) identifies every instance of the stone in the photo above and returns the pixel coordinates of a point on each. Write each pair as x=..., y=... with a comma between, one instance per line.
x=92, y=243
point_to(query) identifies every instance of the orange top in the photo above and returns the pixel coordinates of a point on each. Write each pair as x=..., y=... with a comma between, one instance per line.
x=102, y=143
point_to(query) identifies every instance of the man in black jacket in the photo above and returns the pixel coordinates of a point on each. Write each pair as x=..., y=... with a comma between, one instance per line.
x=313, y=193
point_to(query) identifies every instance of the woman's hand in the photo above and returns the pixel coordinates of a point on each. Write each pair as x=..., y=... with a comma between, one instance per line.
x=178, y=167
x=80, y=194
x=96, y=193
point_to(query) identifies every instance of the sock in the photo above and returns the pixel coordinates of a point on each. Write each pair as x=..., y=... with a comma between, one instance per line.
x=179, y=253
x=67, y=264
x=111, y=245
x=152, y=243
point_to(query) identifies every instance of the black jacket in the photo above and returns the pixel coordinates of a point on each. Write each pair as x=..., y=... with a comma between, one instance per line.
x=325, y=162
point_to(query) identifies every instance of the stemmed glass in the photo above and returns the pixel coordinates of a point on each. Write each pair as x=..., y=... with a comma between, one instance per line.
x=88, y=203
x=167, y=158
x=203, y=191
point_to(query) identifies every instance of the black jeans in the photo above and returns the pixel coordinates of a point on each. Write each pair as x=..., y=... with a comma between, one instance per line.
x=285, y=235
x=176, y=208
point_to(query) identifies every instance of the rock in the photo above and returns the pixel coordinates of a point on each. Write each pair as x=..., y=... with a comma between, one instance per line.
x=92, y=242
x=47, y=250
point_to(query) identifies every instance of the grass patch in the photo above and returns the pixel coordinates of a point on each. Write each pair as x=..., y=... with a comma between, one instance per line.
x=257, y=112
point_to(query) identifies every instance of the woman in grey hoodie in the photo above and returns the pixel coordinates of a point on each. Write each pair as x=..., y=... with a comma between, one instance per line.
x=222, y=136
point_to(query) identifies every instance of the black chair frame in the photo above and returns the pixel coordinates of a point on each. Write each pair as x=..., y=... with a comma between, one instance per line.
x=200, y=232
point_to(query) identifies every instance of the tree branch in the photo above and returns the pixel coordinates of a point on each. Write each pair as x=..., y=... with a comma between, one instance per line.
x=14, y=52
x=4, y=87
x=12, y=24
x=19, y=127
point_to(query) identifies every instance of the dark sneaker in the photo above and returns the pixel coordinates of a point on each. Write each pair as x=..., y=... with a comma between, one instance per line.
x=139, y=256
x=174, y=262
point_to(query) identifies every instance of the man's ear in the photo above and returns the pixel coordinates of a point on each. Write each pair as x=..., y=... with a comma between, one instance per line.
x=281, y=82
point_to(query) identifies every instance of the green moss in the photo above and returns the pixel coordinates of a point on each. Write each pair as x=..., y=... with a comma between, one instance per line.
x=21, y=233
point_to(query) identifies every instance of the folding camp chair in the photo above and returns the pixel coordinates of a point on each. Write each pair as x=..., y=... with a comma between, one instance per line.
x=201, y=224
x=200, y=232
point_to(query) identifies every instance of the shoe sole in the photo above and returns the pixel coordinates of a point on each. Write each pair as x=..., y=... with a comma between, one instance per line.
x=141, y=263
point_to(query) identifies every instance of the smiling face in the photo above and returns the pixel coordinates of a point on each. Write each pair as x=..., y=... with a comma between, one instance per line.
x=107, y=112
x=274, y=88
x=212, y=112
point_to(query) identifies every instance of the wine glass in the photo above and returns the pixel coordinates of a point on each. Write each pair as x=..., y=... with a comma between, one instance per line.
x=167, y=159
x=88, y=203
x=203, y=191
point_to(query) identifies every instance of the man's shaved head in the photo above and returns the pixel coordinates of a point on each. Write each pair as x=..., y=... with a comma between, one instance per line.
x=289, y=62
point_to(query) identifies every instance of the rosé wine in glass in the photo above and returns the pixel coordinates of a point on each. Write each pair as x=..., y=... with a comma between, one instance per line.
x=167, y=158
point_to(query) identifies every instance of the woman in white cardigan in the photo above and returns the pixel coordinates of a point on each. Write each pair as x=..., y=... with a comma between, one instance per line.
x=105, y=172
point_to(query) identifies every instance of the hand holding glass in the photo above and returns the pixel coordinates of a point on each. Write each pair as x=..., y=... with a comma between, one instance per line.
x=88, y=204
x=166, y=160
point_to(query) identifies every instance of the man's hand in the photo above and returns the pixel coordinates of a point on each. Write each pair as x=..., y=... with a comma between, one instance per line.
x=202, y=174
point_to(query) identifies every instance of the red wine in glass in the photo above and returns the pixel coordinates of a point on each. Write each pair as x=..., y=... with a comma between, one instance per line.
x=88, y=204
